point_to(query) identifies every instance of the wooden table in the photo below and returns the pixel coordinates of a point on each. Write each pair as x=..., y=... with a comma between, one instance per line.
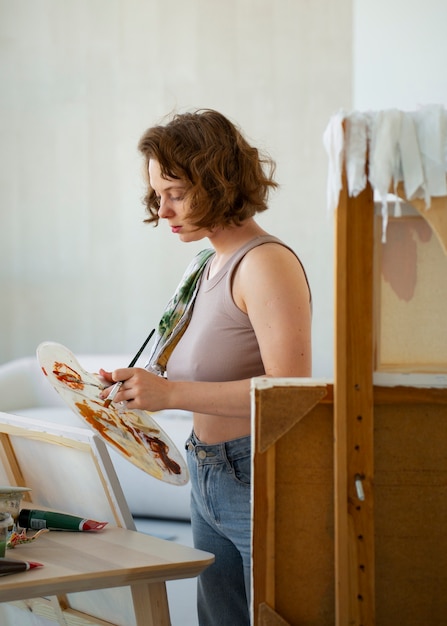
x=114, y=557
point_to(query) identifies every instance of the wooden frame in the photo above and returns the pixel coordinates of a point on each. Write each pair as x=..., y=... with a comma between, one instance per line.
x=293, y=481
x=296, y=580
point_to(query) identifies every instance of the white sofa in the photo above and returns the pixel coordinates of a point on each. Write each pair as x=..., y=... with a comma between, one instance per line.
x=24, y=390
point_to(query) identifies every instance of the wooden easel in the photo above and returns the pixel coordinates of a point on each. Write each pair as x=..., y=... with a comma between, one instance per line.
x=359, y=407
x=354, y=410
x=350, y=500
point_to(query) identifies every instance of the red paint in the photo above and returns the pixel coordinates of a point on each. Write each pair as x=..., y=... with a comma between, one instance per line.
x=67, y=375
x=90, y=524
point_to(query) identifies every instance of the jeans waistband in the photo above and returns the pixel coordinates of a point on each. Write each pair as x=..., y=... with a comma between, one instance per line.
x=213, y=452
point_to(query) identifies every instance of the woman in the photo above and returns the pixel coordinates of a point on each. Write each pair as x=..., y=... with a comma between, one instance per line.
x=246, y=313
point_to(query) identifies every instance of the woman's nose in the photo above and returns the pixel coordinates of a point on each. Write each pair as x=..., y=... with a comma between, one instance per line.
x=164, y=209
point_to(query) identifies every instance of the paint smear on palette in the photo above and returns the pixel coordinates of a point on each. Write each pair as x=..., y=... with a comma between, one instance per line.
x=67, y=375
x=399, y=254
x=101, y=421
x=160, y=449
x=109, y=421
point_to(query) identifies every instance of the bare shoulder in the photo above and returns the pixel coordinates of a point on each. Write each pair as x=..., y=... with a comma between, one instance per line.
x=270, y=250
x=272, y=260
x=270, y=268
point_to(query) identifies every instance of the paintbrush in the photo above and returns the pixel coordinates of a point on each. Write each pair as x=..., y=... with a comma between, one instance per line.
x=116, y=387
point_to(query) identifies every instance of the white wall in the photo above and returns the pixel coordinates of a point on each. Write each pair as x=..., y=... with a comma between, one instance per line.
x=399, y=53
x=80, y=81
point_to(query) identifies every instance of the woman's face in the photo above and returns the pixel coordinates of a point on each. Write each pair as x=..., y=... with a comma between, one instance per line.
x=173, y=204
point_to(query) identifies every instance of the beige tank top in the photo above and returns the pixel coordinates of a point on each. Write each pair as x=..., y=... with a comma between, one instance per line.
x=219, y=343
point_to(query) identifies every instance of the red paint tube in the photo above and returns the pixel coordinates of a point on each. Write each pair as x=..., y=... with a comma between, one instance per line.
x=36, y=520
x=13, y=566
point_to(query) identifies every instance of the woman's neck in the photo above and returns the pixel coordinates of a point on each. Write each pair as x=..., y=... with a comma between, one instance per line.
x=226, y=241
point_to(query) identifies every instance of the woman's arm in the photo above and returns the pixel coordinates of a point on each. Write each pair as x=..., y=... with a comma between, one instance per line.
x=271, y=287
x=147, y=391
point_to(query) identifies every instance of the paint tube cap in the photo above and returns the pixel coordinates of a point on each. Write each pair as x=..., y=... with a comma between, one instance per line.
x=23, y=518
x=90, y=524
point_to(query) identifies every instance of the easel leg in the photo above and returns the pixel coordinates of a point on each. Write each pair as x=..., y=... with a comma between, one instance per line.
x=151, y=604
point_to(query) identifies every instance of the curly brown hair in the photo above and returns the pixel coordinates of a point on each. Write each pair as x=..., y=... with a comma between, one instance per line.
x=227, y=180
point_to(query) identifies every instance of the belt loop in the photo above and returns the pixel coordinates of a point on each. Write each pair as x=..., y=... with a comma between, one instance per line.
x=189, y=444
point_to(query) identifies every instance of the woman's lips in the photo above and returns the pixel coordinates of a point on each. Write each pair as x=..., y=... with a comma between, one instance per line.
x=176, y=229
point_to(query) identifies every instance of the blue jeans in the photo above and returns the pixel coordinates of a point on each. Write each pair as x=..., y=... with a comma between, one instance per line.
x=221, y=524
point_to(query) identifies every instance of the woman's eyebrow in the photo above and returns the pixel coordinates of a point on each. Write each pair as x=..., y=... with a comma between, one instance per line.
x=174, y=186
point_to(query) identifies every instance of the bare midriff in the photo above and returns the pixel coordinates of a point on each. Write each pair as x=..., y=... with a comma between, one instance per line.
x=216, y=429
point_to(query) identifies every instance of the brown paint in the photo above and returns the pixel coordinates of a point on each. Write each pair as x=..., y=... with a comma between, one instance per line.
x=160, y=449
x=101, y=420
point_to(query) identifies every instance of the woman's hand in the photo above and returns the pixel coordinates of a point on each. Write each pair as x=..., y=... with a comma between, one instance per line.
x=140, y=389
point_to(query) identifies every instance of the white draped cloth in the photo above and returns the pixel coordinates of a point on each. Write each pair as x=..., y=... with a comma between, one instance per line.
x=386, y=148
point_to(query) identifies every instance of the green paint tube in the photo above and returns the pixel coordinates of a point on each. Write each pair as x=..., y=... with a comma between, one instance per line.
x=35, y=520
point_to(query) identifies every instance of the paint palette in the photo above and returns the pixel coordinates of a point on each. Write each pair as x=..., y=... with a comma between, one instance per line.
x=133, y=433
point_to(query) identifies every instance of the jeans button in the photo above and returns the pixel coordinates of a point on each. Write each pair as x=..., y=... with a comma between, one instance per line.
x=201, y=454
